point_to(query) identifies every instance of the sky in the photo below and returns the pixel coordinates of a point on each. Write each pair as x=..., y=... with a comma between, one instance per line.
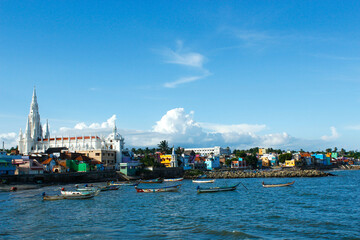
x=280, y=74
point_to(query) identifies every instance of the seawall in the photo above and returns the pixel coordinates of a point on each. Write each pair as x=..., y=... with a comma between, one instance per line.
x=265, y=174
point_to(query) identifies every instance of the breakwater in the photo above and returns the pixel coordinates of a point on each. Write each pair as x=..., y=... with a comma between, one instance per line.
x=263, y=174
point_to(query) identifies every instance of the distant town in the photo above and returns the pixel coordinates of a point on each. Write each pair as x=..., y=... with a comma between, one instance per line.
x=40, y=153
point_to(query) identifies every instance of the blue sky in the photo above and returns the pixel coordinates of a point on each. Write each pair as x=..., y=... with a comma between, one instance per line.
x=279, y=74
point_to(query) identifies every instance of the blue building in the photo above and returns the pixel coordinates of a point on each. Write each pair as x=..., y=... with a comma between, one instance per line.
x=321, y=159
x=212, y=162
x=6, y=166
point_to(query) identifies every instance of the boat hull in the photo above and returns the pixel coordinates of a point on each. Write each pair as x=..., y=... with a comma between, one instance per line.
x=278, y=185
x=158, y=180
x=173, y=180
x=53, y=198
x=203, y=181
x=153, y=190
x=217, y=189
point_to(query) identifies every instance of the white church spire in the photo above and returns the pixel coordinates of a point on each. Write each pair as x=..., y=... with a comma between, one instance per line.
x=47, y=132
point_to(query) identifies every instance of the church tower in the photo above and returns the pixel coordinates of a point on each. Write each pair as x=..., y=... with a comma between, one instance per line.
x=34, y=119
x=33, y=132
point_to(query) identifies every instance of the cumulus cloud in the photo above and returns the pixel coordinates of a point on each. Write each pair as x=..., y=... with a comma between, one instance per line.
x=334, y=135
x=93, y=127
x=176, y=121
x=179, y=128
x=9, y=139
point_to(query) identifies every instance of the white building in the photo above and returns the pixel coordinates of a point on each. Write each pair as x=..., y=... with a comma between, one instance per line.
x=216, y=151
x=34, y=141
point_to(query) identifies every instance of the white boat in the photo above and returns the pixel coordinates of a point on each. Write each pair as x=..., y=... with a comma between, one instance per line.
x=173, y=179
x=203, y=181
x=79, y=192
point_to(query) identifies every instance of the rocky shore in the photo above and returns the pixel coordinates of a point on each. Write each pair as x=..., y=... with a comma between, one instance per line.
x=264, y=174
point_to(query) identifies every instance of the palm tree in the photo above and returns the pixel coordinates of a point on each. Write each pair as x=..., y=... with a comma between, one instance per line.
x=164, y=147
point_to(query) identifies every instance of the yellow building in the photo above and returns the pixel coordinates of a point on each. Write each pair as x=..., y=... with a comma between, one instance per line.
x=262, y=151
x=290, y=163
x=166, y=159
x=265, y=162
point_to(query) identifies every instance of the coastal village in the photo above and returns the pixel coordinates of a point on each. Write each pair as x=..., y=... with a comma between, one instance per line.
x=39, y=153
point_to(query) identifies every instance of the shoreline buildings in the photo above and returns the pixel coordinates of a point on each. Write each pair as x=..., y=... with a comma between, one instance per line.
x=35, y=140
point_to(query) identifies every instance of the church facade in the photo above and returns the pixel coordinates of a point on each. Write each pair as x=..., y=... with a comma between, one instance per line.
x=37, y=140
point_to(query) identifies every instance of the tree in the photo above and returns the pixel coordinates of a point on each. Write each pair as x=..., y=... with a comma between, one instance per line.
x=150, y=161
x=343, y=152
x=164, y=147
x=335, y=149
x=251, y=160
x=284, y=157
x=179, y=151
x=241, y=154
x=228, y=161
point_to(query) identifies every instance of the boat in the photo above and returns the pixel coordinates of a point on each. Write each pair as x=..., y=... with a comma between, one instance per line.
x=109, y=187
x=173, y=179
x=79, y=192
x=174, y=188
x=52, y=198
x=61, y=197
x=217, y=189
x=203, y=181
x=278, y=185
x=124, y=184
x=157, y=180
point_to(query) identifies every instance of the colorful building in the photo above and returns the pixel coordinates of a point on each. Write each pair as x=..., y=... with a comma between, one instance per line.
x=169, y=160
x=212, y=162
x=240, y=163
x=6, y=166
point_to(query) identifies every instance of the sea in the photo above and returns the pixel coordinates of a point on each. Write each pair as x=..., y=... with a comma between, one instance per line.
x=312, y=208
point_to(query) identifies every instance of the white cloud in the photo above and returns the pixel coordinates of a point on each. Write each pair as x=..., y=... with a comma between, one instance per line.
x=353, y=127
x=184, y=80
x=179, y=128
x=93, y=127
x=334, y=135
x=183, y=57
x=176, y=121
x=277, y=139
x=9, y=139
x=187, y=58
x=240, y=128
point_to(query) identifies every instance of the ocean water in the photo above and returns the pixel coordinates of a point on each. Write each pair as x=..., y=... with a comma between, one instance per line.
x=321, y=208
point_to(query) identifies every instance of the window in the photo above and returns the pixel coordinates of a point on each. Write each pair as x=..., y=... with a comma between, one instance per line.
x=97, y=154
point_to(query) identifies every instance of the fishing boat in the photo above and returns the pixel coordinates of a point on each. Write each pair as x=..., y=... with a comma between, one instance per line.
x=173, y=179
x=52, y=198
x=124, y=184
x=157, y=180
x=203, y=181
x=174, y=188
x=61, y=197
x=217, y=189
x=278, y=185
x=79, y=192
x=109, y=187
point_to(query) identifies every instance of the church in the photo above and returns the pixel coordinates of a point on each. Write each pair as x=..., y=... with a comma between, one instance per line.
x=37, y=140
